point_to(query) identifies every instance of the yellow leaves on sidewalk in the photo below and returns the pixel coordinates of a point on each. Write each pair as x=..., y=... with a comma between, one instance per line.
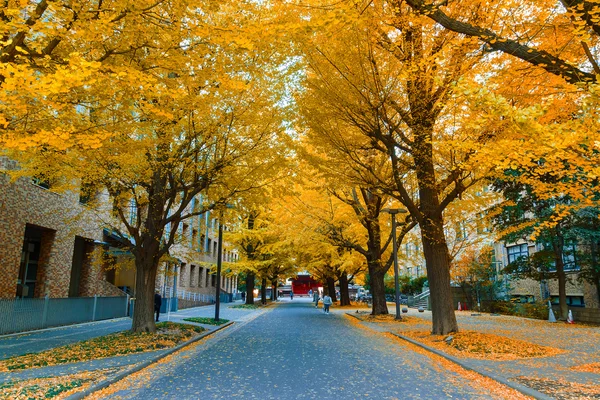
x=58, y=387
x=486, y=346
x=168, y=335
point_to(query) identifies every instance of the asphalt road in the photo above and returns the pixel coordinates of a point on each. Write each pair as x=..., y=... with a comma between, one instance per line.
x=294, y=351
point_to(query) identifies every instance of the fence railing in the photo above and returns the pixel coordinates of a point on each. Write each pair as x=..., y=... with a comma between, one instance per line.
x=21, y=315
x=415, y=300
x=202, y=298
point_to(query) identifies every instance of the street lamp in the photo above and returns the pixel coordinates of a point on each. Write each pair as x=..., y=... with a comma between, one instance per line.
x=393, y=212
x=219, y=263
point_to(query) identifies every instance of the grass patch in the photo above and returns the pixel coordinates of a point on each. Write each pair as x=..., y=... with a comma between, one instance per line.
x=484, y=346
x=207, y=321
x=54, y=387
x=246, y=306
x=168, y=334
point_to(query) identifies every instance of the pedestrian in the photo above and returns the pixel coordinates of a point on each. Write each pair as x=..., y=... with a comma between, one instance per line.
x=316, y=298
x=310, y=292
x=243, y=296
x=326, y=303
x=157, y=303
x=292, y=295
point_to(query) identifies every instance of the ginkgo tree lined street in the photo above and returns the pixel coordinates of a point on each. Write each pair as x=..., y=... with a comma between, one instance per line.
x=157, y=155
x=296, y=351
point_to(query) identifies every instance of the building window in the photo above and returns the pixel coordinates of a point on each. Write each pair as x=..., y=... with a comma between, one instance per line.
x=194, y=238
x=87, y=193
x=41, y=181
x=184, y=233
x=572, y=301
x=200, y=276
x=570, y=257
x=182, y=275
x=517, y=252
x=192, y=275
x=213, y=280
x=215, y=249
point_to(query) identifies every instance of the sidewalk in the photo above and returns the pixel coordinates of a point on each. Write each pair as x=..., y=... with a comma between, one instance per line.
x=34, y=342
x=549, y=375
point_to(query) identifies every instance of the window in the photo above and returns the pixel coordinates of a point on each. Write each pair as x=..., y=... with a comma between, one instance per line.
x=572, y=301
x=184, y=233
x=192, y=275
x=215, y=249
x=194, y=238
x=517, y=252
x=208, y=246
x=570, y=257
x=182, y=275
x=41, y=181
x=87, y=193
x=200, y=276
x=213, y=280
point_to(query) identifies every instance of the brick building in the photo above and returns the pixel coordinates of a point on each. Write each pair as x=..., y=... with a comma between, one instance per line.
x=46, y=243
x=579, y=294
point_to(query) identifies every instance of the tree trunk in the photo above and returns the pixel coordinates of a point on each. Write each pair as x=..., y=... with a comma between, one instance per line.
x=558, y=244
x=143, y=313
x=263, y=291
x=376, y=276
x=250, y=288
x=438, y=273
x=274, y=294
x=331, y=287
x=435, y=248
x=344, y=292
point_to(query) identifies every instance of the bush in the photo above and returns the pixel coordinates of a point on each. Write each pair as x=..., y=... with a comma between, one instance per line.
x=537, y=310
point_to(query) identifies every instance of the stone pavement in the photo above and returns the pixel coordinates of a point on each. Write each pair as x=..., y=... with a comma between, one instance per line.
x=34, y=342
x=580, y=343
x=294, y=351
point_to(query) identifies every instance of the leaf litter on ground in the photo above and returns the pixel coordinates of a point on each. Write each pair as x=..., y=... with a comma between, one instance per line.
x=168, y=334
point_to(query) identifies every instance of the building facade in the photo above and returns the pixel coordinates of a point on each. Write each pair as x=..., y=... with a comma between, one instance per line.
x=52, y=244
x=47, y=243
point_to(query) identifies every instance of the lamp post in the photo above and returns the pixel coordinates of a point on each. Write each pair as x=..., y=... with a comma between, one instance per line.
x=219, y=262
x=393, y=212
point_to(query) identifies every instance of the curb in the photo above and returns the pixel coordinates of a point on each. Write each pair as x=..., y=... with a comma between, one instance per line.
x=518, y=387
x=124, y=374
x=55, y=328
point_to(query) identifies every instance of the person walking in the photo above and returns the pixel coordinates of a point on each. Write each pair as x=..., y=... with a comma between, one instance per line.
x=316, y=298
x=327, y=301
x=291, y=295
x=157, y=303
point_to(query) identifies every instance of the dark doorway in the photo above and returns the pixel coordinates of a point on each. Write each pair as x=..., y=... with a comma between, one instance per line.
x=30, y=256
x=80, y=256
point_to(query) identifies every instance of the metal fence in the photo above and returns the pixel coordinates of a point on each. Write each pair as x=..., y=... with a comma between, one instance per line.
x=21, y=315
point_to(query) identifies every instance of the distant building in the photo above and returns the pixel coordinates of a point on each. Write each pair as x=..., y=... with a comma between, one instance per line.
x=303, y=283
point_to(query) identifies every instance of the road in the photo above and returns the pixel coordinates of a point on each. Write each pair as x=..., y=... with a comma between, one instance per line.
x=294, y=351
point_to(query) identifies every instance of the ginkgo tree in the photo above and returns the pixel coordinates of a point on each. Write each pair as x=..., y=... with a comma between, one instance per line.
x=151, y=105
